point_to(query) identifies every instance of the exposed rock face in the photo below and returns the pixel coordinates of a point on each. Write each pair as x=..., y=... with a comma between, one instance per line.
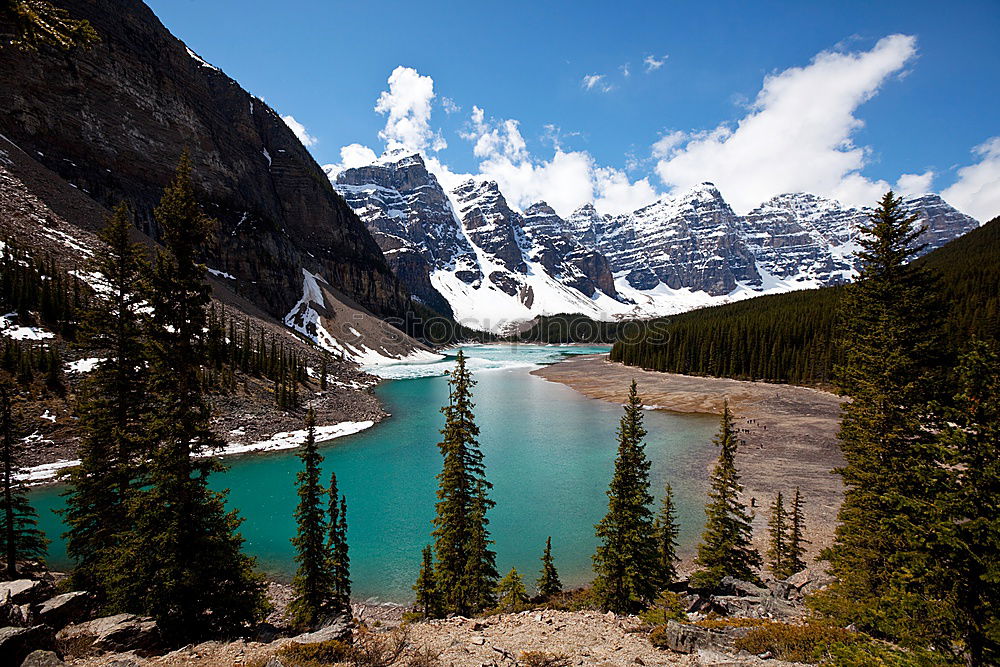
x=113, y=120
x=122, y=632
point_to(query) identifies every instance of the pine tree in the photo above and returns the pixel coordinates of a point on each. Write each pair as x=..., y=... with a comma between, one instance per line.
x=465, y=566
x=778, y=546
x=667, y=532
x=510, y=592
x=339, y=562
x=548, y=583
x=962, y=572
x=796, y=536
x=182, y=560
x=892, y=345
x=20, y=538
x=313, y=584
x=626, y=559
x=110, y=407
x=38, y=22
x=427, y=597
x=726, y=547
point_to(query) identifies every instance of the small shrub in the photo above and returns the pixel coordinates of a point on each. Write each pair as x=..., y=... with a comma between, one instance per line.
x=315, y=655
x=729, y=622
x=543, y=659
x=796, y=643
x=580, y=599
x=424, y=657
x=876, y=654
x=379, y=649
x=668, y=606
x=658, y=637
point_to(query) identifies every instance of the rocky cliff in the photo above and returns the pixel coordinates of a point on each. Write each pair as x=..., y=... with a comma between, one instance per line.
x=113, y=119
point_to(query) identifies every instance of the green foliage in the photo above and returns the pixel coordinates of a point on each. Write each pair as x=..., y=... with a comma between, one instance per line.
x=668, y=606
x=428, y=603
x=19, y=535
x=465, y=566
x=182, y=561
x=726, y=547
x=893, y=355
x=548, y=582
x=510, y=592
x=318, y=654
x=338, y=558
x=110, y=405
x=626, y=559
x=313, y=583
x=796, y=537
x=790, y=337
x=666, y=531
x=38, y=22
x=777, y=552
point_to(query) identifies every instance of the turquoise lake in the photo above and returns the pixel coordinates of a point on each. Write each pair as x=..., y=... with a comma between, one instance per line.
x=549, y=453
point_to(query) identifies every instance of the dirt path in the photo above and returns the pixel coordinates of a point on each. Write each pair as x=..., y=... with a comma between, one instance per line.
x=790, y=432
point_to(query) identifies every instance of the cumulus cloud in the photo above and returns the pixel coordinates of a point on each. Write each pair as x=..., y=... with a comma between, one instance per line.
x=598, y=82
x=977, y=190
x=407, y=104
x=653, y=63
x=797, y=135
x=449, y=105
x=914, y=184
x=566, y=181
x=354, y=155
x=300, y=131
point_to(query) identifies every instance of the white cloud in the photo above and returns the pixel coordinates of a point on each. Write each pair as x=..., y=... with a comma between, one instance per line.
x=300, y=131
x=626, y=70
x=597, y=82
x=666, y=144
x=354, y=155
x=408, y=106
x=653, y=63
x=449, y=105
x=566, y=181
x=797, y=134
x=977, y=190
x=915, y=184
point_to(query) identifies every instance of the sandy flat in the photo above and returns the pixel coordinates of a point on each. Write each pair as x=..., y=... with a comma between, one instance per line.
x=789, y=432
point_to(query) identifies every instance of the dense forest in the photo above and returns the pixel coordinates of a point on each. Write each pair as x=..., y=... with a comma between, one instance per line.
x=789, y=337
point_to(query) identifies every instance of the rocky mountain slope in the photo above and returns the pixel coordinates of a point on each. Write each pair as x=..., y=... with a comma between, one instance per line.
x=112, y=121
x=469, y=253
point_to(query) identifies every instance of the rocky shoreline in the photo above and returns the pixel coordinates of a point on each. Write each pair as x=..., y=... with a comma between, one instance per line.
x=790, y=432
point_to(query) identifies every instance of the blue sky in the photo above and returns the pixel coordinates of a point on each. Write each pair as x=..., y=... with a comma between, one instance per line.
x=894, y=87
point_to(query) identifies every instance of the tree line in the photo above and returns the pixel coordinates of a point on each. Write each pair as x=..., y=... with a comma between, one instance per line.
x=792, y=337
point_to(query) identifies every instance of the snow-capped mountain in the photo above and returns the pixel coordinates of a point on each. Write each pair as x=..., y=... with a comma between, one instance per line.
x=469, y=253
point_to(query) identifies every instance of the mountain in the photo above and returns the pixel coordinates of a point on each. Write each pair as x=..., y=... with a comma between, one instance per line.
x=469, y=253
x=112, y=120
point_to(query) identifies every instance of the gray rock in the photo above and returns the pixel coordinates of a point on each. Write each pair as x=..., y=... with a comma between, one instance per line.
x=42, y=659
x=17, y=643
x=22, y=591
x=813, y=578
x=119, y=633
x=64, y=609
x=780, y=589
x=274, y=661
x=339, y=630
x=766, y=606
x=682, y=638
x=123, y=662
x=733, y=586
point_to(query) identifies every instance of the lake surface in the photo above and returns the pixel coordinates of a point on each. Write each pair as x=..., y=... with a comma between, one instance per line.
x=549, y=453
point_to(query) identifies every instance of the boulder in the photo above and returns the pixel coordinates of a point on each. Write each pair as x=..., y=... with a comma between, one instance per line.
x=119, y=633
x=733, y=586
x=123, y=662
x=339, y=629
x=780, y=589
x=811, y=579
x=42, y=659
x=274, y=661
x=24, y=591
x=17, y=643
x=64, y=609
x=682, y=638
x=766, y=606
x=14, y=615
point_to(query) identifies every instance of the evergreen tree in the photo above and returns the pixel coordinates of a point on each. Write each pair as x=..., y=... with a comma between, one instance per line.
x=314, y=581
x=339, y=562
x=667, y=532
x=778, y=546
x=962, y=571
x=548, y=583
x=427, y=596
x=796, y=536
x=510, y=592
x=465, y=566
x=726, y=547
x=38, y=22
x=110, y=407
x=182, y=561
x=20, y=538
x=626, y=559
x=892, y=342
